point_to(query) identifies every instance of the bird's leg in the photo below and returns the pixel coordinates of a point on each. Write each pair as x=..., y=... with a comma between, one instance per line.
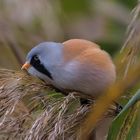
x=118, y=108
x=84, y=101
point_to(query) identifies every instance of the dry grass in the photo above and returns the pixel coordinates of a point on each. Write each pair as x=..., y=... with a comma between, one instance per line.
x=131, y=44
x=30, y=110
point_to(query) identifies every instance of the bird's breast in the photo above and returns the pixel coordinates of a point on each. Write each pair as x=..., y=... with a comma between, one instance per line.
x=82, y=77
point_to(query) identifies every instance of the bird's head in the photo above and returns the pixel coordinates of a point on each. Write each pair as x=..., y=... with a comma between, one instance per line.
x=41, y=58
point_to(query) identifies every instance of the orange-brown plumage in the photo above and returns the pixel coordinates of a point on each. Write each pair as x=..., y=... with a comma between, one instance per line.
x=86, y=52
x=74, y=47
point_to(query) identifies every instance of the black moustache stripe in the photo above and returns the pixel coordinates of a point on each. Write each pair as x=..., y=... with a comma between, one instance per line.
x=43, y=70
x=40, y=67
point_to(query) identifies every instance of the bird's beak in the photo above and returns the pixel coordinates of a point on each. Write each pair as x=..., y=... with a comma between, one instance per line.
x=26, y=66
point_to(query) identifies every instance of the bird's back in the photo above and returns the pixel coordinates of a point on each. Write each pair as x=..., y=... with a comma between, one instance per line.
x=74, y=47
x=88, y=69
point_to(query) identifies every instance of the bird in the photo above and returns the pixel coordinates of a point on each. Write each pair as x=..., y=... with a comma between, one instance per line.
x=74, y=65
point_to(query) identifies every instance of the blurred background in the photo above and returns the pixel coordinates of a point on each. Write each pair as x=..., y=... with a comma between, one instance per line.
x=25, y=23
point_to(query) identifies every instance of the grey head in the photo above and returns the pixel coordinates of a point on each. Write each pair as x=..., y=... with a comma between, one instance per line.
x=44, y=59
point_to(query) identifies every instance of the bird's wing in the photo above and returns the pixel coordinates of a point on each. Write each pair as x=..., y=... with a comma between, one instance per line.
x=74, y=47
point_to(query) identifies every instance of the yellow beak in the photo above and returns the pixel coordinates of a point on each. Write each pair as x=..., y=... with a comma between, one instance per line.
x=26, y=66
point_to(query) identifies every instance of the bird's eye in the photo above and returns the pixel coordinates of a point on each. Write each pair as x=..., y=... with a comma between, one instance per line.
x=36, y=58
